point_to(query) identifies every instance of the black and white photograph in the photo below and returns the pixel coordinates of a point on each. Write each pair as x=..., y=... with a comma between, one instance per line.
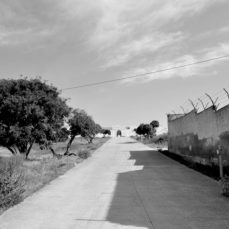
x=114, y=114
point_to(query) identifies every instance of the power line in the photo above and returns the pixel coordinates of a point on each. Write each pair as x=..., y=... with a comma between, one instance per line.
x=145, y=74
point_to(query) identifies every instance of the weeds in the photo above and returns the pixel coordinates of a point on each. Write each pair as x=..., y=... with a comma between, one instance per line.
x=20, y=178
x=84, y=154
x=11, y=182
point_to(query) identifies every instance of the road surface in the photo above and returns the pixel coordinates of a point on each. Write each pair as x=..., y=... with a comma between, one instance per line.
x=124, y=185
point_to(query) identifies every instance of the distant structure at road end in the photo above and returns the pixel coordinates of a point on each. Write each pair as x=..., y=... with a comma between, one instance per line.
x=128, y=131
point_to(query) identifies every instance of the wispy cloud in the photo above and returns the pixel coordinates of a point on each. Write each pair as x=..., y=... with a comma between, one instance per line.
x=122, y=20
x=120, y=36
x=224, y=29
x=189, y=71
x=128, y=31
x=25, y=21
x=145, y=45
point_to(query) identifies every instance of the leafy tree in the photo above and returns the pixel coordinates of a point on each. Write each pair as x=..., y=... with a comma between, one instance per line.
x=62, y=135
x=98, y=129
x=154, y=124
x=82, y=124
x=106, y=132
x=90, y=130
x=30, y=112
x=148, y=130
x=76, y=123
x=145, y=130
x=139, y=129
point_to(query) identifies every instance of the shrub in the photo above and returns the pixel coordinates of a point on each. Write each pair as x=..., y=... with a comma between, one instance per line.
x=84, y=154
x=11, y=182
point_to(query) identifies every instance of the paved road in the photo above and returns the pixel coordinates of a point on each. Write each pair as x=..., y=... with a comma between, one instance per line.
x=124, y=185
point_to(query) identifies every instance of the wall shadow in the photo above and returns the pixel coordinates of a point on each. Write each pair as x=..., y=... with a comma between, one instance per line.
x=123, y=143
x=127, y=207
x=159, y=192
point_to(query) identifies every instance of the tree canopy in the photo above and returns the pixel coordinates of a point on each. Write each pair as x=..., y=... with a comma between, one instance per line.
x=31, y=111
x=148, y=130
x=82, y=124
x=154, y=124
x=144, y=129
x=106, y=132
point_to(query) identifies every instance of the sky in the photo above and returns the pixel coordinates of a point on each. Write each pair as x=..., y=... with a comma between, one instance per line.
x=74, y=42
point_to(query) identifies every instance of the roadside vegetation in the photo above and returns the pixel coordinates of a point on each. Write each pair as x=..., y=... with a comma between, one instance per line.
x=159, y=141
x=147, y=134
x=41, y=137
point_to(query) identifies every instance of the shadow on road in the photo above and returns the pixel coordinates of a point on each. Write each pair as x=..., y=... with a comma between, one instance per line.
x=157, y=192
x=128, y=143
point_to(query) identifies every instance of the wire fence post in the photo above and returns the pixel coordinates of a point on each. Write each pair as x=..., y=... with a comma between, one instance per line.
x=215, y=107
x=219, y=153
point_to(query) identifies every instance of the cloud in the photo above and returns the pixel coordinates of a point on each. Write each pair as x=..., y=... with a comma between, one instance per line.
x=224, y=29
x=23, y=36
x=146, y=44
x=27, y=21
x=105, y=24
x=120, y=20
x=185, y=72
x=128, y=34
x=128, y=30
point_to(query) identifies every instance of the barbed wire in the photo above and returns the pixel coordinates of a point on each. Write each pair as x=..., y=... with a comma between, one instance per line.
x=219, y=99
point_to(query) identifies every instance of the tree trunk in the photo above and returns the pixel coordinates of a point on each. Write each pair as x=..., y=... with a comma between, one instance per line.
x=16, y=150
x=22, y=148
x=91, y=139
x=69, y=145
x=29, y=149
x=12, y=150
x=58, y=156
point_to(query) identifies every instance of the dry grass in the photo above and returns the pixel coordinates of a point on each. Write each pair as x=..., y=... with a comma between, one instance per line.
x=11, y=182
x=154, y=142
x=41, y=168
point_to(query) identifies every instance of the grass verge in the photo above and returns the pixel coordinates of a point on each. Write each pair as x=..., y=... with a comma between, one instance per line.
x=41, y=168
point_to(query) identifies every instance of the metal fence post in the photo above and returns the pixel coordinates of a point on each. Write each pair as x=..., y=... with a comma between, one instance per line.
x=219, y=152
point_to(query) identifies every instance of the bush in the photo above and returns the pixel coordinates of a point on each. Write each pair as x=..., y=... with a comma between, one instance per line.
x=11, y=182
x=84, y=154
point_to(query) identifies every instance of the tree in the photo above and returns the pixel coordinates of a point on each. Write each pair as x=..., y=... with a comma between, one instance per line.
x=76, y=123
x=31, y=111
x=82, y=124
x=139, y=129
x=106, y=132
x=154, y=124
x=90, y=130
x=148, y=131
x=62, y=135
x=145, y=130
x=99, y=129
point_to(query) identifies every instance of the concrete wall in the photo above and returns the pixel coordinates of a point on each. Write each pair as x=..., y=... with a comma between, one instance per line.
x=199, y=135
